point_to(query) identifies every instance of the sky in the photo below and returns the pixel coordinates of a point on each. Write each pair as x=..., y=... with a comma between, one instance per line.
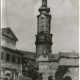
x=21, y=17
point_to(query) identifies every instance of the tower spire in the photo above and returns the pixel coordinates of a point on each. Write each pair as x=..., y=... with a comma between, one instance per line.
x=44, y=3
x=44, y=36
x=44, y=7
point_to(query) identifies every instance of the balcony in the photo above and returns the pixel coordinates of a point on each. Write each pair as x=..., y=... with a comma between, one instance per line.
x=44, y=38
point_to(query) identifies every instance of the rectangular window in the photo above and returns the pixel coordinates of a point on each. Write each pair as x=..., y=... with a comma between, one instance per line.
x=7, y=57
x=13, y=59
x=1, y=55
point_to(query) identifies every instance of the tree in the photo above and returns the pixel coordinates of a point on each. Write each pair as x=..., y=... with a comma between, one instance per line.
x=32, y=73
x=50, y=78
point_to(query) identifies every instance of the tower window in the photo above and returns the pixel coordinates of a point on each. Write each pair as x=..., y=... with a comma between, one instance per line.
x=42, y=28
x=13, y=58
x=47, y=20
x=7, y=57
x=42, y=19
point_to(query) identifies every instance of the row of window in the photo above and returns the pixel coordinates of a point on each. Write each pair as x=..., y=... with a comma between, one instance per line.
x=42, y=28
x=13, y=57
x=43, y=66
x=42, y=20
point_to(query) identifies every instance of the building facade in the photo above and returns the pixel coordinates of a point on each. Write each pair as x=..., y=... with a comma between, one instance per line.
x=59, y=66
x=43, y=37
x=15, y=64
x=11, y=58
x=62, y=66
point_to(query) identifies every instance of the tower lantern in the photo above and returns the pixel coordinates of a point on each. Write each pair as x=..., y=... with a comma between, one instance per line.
x=43, y=37
x=44, y=3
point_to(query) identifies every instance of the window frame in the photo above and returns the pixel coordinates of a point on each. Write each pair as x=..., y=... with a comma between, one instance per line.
x=2, y=56
x=7, y=57
x=13, y=59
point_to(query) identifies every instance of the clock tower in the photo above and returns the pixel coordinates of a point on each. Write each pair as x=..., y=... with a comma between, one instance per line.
x=43, y=37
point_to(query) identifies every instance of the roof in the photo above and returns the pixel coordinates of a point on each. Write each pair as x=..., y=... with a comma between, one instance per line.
x=9, y=33
x=53, y=57
x=29, y=55
x=68, y=55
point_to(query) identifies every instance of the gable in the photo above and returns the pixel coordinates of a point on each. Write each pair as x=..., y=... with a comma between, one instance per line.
x=7, y=32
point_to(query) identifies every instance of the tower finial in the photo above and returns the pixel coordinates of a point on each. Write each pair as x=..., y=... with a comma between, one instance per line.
x=44, y=3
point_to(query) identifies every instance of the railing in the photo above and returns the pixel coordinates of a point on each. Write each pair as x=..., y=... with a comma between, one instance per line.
x=44, y=38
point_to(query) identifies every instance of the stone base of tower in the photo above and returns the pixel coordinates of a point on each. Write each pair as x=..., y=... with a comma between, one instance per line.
x=59, y=66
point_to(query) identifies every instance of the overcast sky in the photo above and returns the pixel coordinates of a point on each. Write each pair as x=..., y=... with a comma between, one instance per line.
x=20, y=16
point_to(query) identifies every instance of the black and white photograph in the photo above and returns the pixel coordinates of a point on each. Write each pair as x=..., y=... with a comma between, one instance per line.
x=39, y=39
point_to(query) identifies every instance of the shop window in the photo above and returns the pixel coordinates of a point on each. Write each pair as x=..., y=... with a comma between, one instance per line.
x=13, y=59
x=7, y=57
x=1, y=55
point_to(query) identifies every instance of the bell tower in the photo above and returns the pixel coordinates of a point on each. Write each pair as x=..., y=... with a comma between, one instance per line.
x=43, y=37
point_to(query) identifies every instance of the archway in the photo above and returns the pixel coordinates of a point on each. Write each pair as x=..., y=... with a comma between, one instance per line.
x=67, y=78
